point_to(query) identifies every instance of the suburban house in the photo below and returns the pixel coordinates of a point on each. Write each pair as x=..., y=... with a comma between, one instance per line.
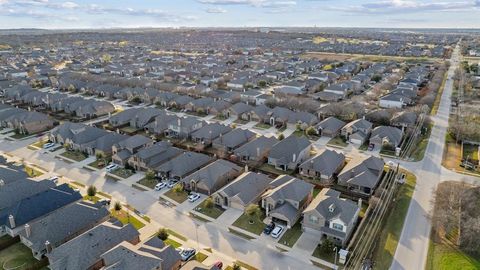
x=357, y=131
x=289, y=153
x=12, y=191
x=78, y=136
x=386, y=135
x=330, y=127
x=233, y=139
x=160, y=124
x=103, y=145
x=182, y=165
x=206, y=134
x=404, y=120
x=341, y=89
x=183, y=127
x=152, y=254
x=331, y=217
x=244, y=190
x=85, y=250
x=27, y=210
x=23, y=121
x=324, y=166
x=212, y=177
x=394, y=100
x=61, y=226
x=362, y=174
x=153, y=156
x=286, y=199
x=123, y=150
x=256, y=150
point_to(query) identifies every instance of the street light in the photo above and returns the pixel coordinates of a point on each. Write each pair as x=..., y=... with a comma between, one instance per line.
x=196, y=234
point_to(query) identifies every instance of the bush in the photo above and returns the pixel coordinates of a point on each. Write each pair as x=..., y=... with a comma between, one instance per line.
x=162, y=234
x=91, y=191
x=327, y=246
x=208, y=202
x=117, y=206
x=178, y=188
x=311, y=131
x=252, y=210
x=236, y=267
x=281, y=136
x=150, y=175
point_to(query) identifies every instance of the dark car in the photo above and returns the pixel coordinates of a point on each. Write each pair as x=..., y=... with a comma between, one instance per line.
x=371, y=146
x=269, y=228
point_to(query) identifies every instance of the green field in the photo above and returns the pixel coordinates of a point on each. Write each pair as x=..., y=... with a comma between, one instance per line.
x=444, y=256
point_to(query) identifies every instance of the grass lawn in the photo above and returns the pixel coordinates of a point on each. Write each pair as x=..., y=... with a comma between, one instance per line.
x=291, y=236
x=419, y=151
x=77, y=184
x=338, y=141
x=200, y=257
x=237, y=233
x=100, y=163
x=245, y=265
x=177, y=235
x=470, y=151
x=104, y=194
x=213, y=212
x=122, y=172
x=19, y=136
x=444, y=256
x=452, y=157
x=74, y=155
x=257, y=227
x=39, y=144
x=316, y=191
x=32, y=172
x=172, y=243
x=123, y=217
x=179, y=197
x=329, y=257
x=393, y=224
x=262, y=126
x=15, y=256
x=150, y=183
x=220, y=117
x=93, y=199
x=241, y=121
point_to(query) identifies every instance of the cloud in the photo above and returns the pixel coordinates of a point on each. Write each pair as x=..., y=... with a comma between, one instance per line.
x=404, y=6
x=69, y=5
x=254, y=3
x=216, y=10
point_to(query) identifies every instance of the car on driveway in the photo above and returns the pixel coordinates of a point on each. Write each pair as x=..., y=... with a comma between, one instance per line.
x=54, y=179
x=269, y=228
x=193, y=197
x=105, y=201
x=48, y=145
x=187, y=253
x=218, y=264
x=171, y=183
x=111, y=167
x=160, y=185
x=277, y=231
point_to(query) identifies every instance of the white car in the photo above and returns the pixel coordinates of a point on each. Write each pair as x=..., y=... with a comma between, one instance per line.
x=111, y=167
x=54, y=179
x=160, y=185
x=172, y=183
x=193, y=197
x=48, y=145
x=277, y=231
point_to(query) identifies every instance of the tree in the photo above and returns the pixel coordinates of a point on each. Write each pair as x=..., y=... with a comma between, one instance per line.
x=327, y=246
x=208, y=202
x=117, y=206
x=178, y=188
x=150, y=175
x=281, y=136
x=262, y=84
x=236, y=267
x=252, y=210
x=162, y=234
x=91, y=191
x=311, y=131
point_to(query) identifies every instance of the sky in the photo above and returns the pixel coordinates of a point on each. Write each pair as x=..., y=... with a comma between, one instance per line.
x=79, y=14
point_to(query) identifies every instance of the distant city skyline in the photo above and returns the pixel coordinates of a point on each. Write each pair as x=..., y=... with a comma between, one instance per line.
x=54, y=14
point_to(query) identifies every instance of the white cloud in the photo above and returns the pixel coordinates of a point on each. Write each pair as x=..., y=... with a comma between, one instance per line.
x=216, y=10
x=405, y=6
x=69, y=5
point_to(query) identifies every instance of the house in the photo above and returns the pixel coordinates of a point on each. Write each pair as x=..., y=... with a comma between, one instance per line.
x=238, y=110
x=233, y=139
x=404, y=120
x=136, y=118
x=85, y=250
x=244, y=190
x=212, y=177
x=394, y=100
x=183, y=127
x=123, y=150
x=78, y=136
x=331, y=217
x=386, y=135
x=330, y=127
x=103, y=145
x=362, y=174
x=13, y=191
x=286, y=200
x=324, y=166
x=183, y=165
x=218, y=107
x=256, y=150
x=206, y=134
x=62, y=225
x=341, y=89
x=25, y=122
x=27, y=210
x=289, y=153
x=153, y=156
x=152, y=254
x=357, y=131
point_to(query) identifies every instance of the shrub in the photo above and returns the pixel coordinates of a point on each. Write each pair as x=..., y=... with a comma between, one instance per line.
x=91, y=191
x=209, y=202
x=162, y=234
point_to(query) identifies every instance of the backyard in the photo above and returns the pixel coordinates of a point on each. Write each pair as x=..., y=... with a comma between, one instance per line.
x=17, y=256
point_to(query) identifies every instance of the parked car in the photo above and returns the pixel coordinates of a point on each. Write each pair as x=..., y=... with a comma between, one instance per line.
x=277, y=231
x=48, y=145
x=371, y=146
x=187, y=254
x=160, y=185
x=111, y=167
x=171, y=183
x=105, y=201
x=218, y=264
x=54, y=179
x=269, y=228
x=193, y=197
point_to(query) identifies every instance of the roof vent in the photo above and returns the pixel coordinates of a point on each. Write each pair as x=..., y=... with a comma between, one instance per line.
x=331, y=208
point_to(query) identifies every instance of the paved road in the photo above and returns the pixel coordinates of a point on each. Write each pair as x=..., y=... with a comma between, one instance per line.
x=412, y=250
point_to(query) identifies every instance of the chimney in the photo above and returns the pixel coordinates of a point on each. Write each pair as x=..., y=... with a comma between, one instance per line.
x=48, y=246
x=28, y=230
x=258, y=151
x=294, y=157
x=179, y=122
x=246, y=168
x=360, y=203
x=11, y=219
x=2, y=183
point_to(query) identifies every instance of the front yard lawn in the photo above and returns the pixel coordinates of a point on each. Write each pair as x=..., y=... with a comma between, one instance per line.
x=393, y=224
x=32, y=172
x=18, y=136
x=100, y=163
x=291, y=236
x=262, y=126
x=338, y=141
x=200, y=257
x=329, y=257
x=257, y=226
x=241, y=121
x=39, y=144
x=470, y=152
x=172, y=243
x=74, y=155
x=179, y=197
x=213, y=212
x=93, y=199
x=122, y=172
x=150, y=183
x=126, y=218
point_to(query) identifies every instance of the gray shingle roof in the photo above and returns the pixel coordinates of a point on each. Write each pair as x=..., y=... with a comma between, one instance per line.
x=326, y=162
x=247, y=186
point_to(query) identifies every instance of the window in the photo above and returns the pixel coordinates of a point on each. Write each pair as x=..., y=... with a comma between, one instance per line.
x=313, y=219
x=337, y=226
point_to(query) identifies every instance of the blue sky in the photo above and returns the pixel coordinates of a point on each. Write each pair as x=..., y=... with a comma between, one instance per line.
x=56, y=14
